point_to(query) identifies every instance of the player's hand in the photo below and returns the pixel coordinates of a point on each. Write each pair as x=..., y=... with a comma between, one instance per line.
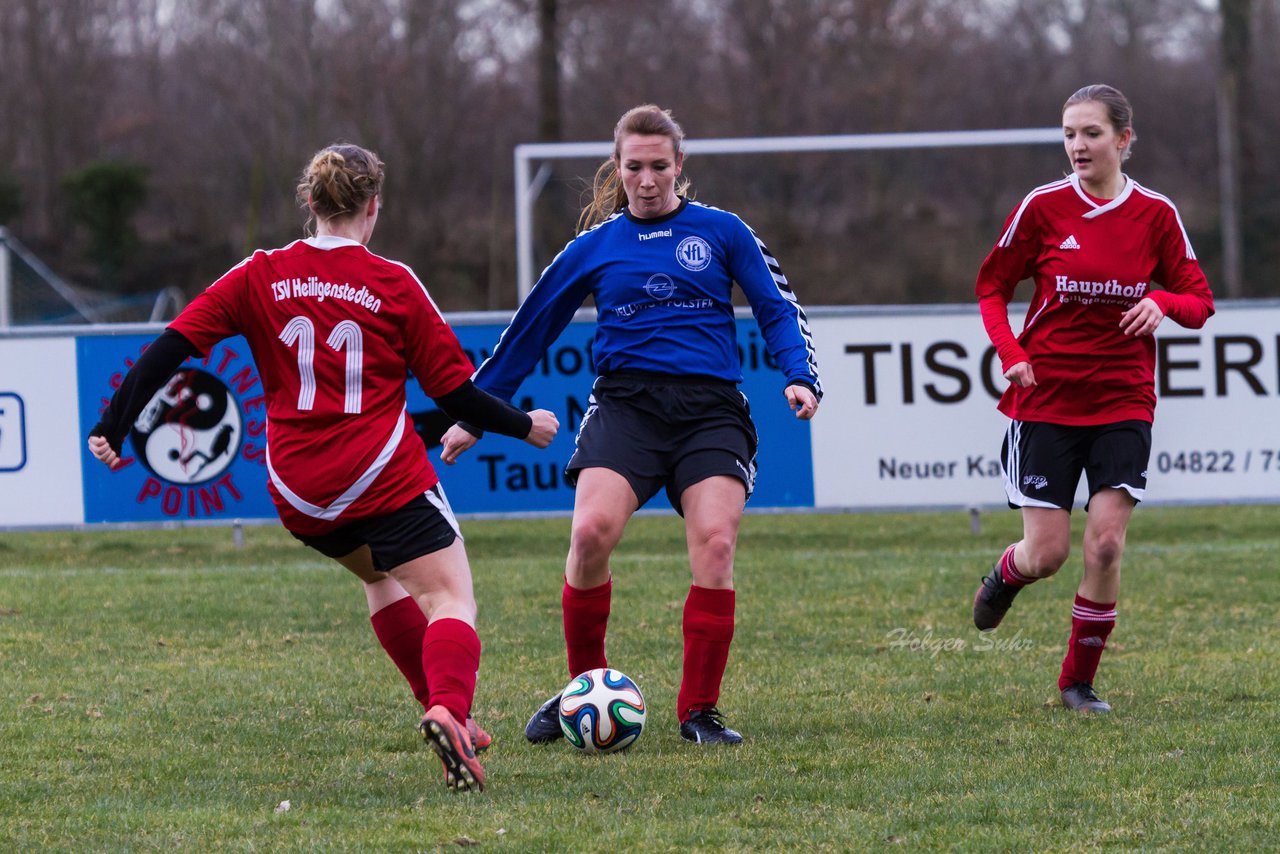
x=1021, y=375
x=1142, y=319
x=455, y=441
x=545, y=425
x=101, y=449
x=802, y=401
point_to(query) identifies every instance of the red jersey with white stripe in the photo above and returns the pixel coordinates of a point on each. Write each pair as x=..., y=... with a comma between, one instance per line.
x=1091, y=260
x=334, y=330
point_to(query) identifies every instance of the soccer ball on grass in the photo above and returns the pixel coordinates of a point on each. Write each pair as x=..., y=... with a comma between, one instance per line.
x=602, y=711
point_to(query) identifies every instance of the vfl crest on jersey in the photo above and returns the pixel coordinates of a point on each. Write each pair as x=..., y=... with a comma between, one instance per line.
x=693, y=253
x=660, y=287
x=190, y=431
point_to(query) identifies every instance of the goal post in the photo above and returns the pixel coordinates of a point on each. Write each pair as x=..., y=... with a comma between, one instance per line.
x=528, y=184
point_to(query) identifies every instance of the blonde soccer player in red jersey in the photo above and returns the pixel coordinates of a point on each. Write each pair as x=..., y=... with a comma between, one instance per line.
x=1109, y=260
x=335, y=330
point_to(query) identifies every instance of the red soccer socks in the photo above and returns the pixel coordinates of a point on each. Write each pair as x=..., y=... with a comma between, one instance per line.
x=586, y=618
x=708, y=632
x=400, y=628
x=453, y=650
x=1009, y=570
x=1091, y=623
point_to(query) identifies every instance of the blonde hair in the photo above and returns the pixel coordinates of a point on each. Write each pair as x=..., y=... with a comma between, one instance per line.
x=1119, y=111
x=607, y=193
x=338, y=180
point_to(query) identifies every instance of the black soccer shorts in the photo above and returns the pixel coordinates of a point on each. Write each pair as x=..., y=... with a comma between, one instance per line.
x=424, y=525
x=666, y=431
x=1043, y=462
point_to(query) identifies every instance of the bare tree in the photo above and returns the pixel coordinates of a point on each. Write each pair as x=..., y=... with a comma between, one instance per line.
x=222, y=99
x=1233, y=67
x=59, y=72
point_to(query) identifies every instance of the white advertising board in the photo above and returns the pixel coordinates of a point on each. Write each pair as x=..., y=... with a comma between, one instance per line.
x=908, y=421
x=40, y=481
x=909, y=417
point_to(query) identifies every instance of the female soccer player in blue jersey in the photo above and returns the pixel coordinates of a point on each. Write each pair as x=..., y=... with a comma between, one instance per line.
x=665, y=411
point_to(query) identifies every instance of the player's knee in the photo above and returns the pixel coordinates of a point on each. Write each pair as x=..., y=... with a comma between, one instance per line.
x=719, y=547
x=712, y=559
x=1105, y=549
x=593, y=536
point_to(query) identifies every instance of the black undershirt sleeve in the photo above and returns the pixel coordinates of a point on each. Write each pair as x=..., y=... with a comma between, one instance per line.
x=152, y=370
x=482, y=411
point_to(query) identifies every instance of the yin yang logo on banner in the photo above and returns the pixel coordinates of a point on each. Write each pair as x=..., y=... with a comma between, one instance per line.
x=190, y=432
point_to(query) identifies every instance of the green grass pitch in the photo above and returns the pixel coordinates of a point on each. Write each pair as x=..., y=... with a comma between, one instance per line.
x=166, y=691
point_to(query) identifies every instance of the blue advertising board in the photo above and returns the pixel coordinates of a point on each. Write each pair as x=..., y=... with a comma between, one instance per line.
x=504, y=475
x=197, y=452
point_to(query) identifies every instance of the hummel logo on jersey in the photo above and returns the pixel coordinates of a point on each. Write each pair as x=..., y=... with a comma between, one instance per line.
x=1069, y=243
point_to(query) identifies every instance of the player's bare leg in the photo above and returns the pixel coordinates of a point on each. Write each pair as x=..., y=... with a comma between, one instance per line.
x=1043, y=549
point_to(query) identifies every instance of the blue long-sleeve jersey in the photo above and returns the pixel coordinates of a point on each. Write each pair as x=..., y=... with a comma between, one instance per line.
x=663, y=294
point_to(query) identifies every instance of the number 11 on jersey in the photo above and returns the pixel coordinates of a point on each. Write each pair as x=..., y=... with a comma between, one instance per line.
x=345, y=336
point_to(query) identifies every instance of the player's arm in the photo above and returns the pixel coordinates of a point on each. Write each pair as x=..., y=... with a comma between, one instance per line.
x=443, y=370
x=209, y=318
x=152, y=370
x=559, y=292
x=1186, y=300
x=468, y=404
x=782, y=321
x=1010, y=261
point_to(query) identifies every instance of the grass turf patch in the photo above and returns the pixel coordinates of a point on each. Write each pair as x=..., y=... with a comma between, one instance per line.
x=163, y=690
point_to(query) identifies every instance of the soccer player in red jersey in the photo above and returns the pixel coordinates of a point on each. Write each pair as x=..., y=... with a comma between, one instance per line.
x=1082, y=371
x=335, y=330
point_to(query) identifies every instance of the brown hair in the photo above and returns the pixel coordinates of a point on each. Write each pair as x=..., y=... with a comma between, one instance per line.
x=338, y=180
x=1119, y=111
x=607, y=194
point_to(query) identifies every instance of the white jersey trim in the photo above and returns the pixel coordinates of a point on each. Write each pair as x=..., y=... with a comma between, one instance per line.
x=249, y=258
x=1152, y=194
x=409, y=271
x=1007, y=238
x=329, y=241
x=1099, y=210
x=435, y=495
x=353, y=492
x=1039, y=312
